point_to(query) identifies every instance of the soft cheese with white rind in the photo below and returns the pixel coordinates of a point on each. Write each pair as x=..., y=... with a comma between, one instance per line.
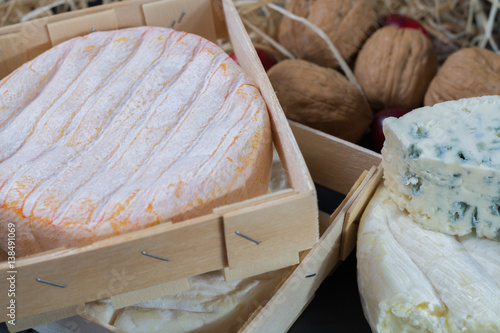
x=442, y=165
x=210, y=304
x=396, y=256
x=486, y=252
x=396, y=295
x=120, y=130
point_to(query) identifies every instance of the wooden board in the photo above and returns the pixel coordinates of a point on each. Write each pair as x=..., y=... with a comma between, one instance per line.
x=64, y=30
x=233, y=274
x=117, y=266
x=134, y=297
x=356, y=208
x=189, y=15
x=12, y=53
x=283, y=138
x=298, y=289
x=333, y=162
x=252, y=242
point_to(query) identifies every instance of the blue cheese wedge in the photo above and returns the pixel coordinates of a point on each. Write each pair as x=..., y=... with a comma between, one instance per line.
x=442, y=165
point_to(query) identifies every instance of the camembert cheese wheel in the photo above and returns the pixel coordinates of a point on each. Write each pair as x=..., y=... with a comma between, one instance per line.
x=120, y=130
x=210, y=304
x=416, y=280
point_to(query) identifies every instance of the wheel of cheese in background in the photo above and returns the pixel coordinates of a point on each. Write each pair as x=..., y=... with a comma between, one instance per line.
x=210, y=304
x=415, y=280
x=120, y=130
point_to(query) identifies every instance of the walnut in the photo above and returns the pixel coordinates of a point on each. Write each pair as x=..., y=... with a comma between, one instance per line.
x=346, y=23
x=395, y=67
x=469, y=72
x=320, y=98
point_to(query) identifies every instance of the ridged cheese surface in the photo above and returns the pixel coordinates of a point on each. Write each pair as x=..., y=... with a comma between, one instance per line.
x=442, y=164
x=116, y=131
x=416, y=280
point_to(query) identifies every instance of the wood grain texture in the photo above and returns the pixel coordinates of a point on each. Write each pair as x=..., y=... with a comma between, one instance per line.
x=189, y=15
x=142, y=295
x=285, y=142
x=13, y=53
x=333, y=162
x=63, y=30
x=277, y=237
x=116, y=265
x=342, y=167
x=297, y=290
x=356, y=208
x=266, y=265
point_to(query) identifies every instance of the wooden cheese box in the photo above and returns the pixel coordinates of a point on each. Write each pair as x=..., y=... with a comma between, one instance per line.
x=336, y=164
x=128, y=268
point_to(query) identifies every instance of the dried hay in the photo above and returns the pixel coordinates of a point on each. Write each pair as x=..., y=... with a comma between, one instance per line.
x=453, y=24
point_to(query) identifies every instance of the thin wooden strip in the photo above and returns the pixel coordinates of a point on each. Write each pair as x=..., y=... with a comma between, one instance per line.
x=253, y=201
x=354, y=211
x=299, y=287
x=285, y=143
x=327, y=158
x=115, y=266
x=348, y=197
x=297, y=290
x=251, y=236
x=184, y=15
x=146, y=294
x=63, y=30
x=12, y=53
x=263, y=266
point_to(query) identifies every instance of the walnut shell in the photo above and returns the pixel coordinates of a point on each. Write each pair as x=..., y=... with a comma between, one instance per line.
x=395, y=67
x=469, y=72
x=320, y=98
x=347, y=23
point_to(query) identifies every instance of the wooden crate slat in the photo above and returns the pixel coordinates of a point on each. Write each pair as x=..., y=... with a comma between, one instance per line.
x=283, y=138
x=82, y=25
x=262, y=266
x=12, y=53
x=185, y=15
x=333, y=162
x=354, y=211
x=116, y=265
x=277, y=236
x=142, y=295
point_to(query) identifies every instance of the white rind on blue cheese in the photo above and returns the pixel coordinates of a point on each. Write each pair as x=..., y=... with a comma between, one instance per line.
x=416, y=280
x=442, y=164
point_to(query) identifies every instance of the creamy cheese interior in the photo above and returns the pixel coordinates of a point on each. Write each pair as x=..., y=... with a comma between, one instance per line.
x=442, y=165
